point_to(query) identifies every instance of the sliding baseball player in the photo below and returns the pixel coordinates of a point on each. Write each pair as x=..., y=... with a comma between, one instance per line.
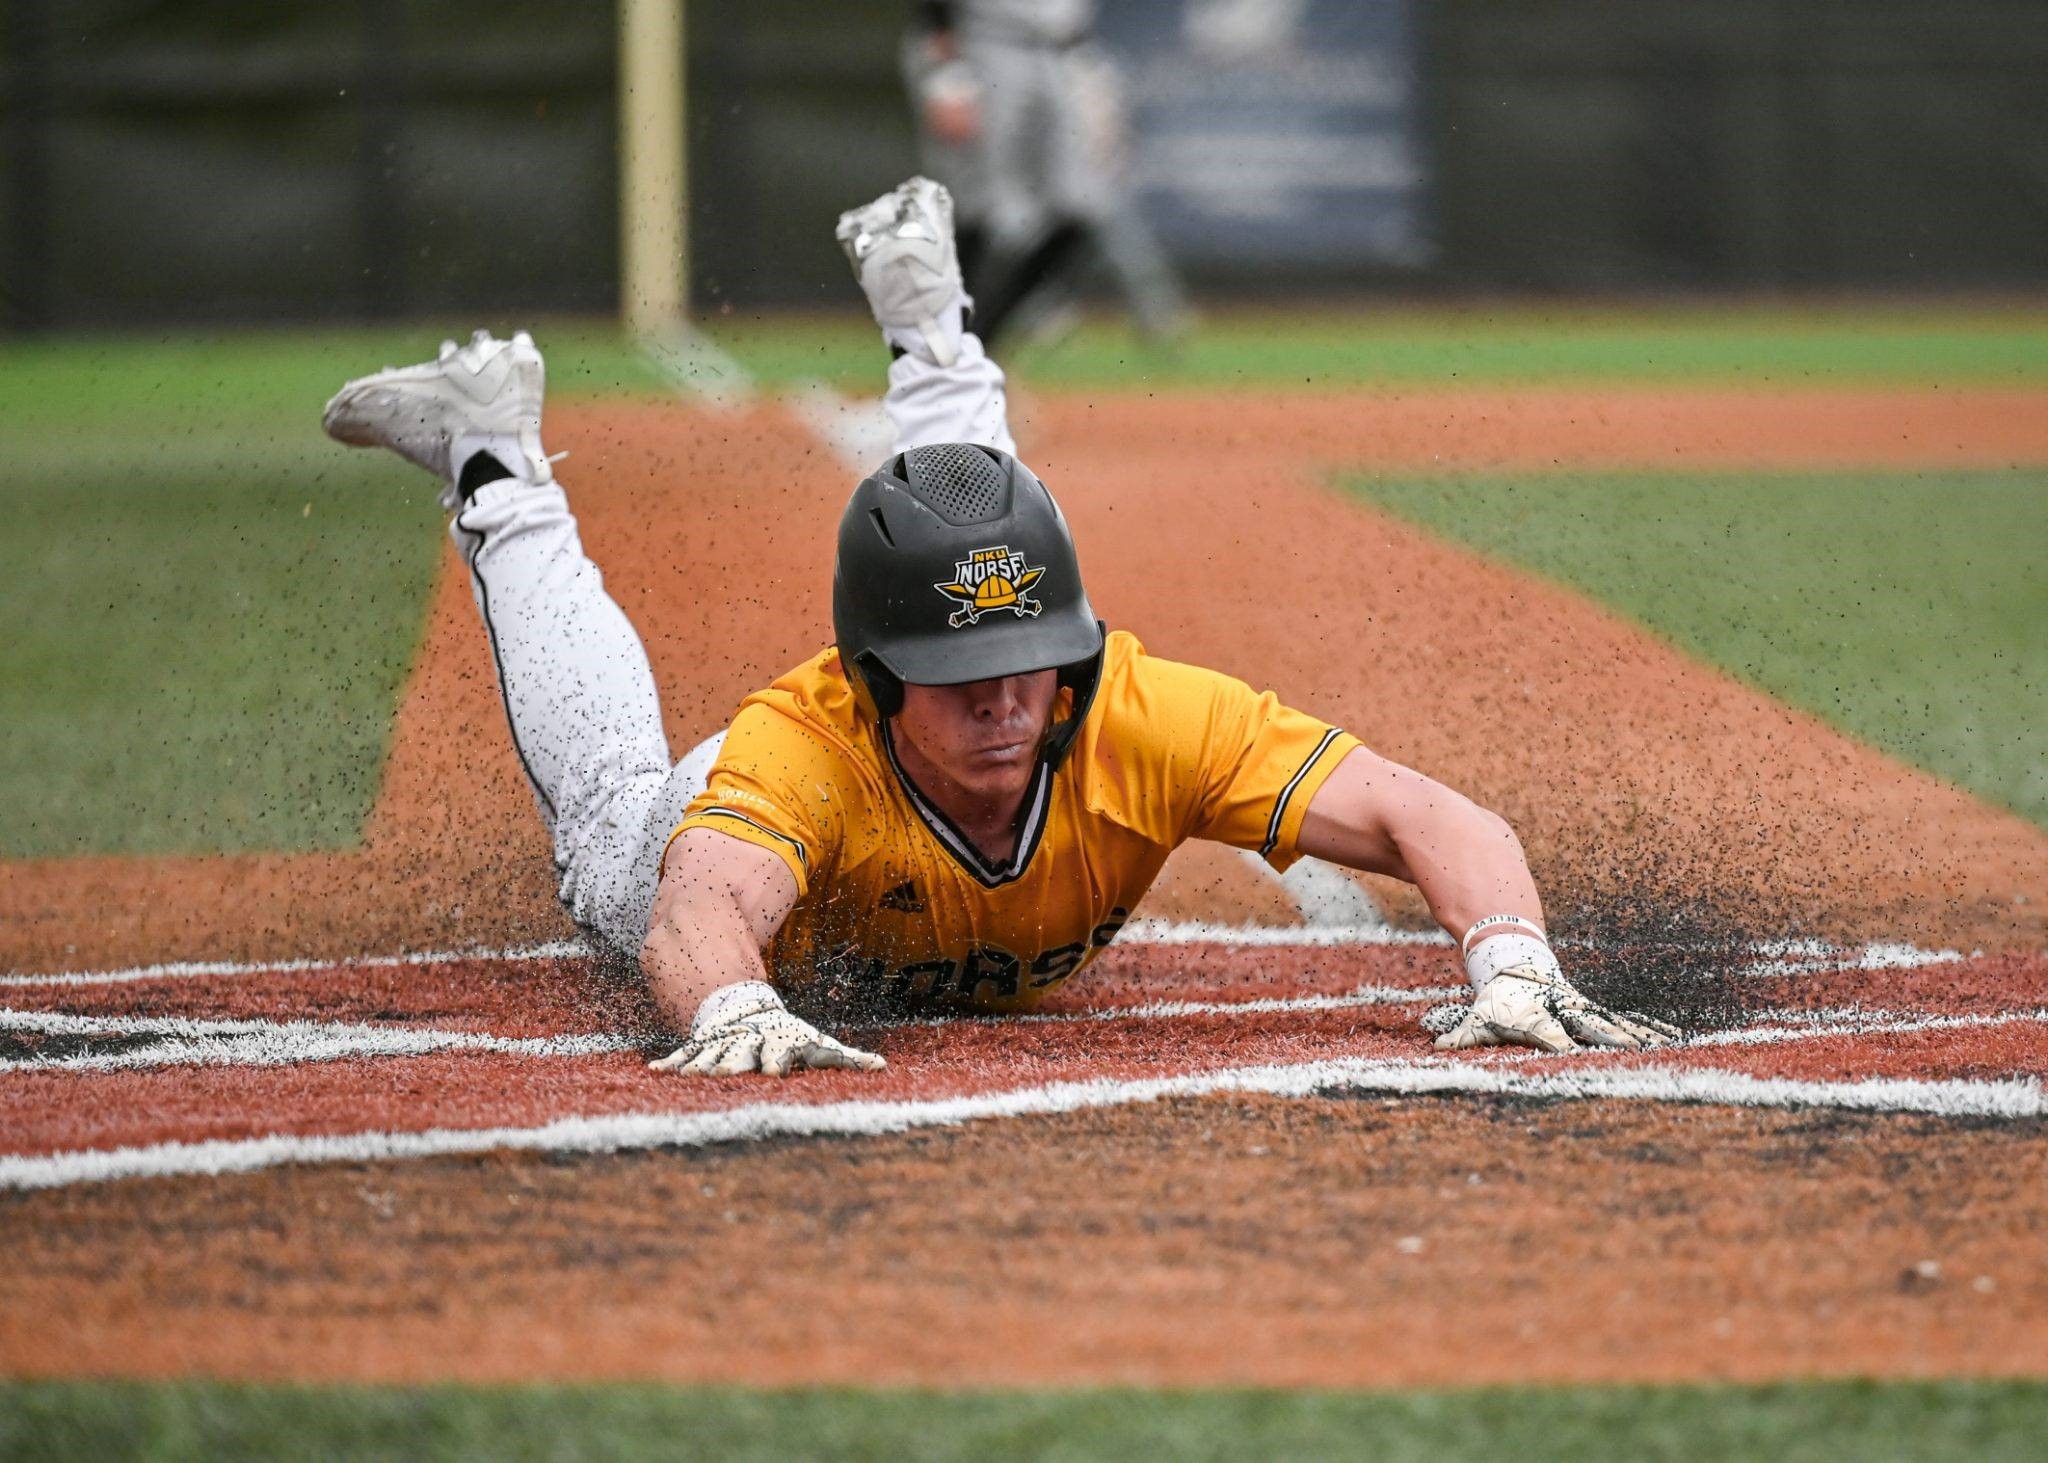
x=958, y=802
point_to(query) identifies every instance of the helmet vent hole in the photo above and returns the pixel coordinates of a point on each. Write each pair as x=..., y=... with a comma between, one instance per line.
x=882, y=527
x=962, y=484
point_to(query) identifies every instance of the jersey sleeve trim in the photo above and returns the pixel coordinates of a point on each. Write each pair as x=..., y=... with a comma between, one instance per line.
x=788, y=849
x=1292, y=805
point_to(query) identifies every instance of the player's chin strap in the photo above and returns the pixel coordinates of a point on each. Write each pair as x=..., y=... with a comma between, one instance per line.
x=1083, y=677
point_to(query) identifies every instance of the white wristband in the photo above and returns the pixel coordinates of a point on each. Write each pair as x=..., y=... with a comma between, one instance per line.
x=1504, y=952
x=1493, y=923
x=731, y=1003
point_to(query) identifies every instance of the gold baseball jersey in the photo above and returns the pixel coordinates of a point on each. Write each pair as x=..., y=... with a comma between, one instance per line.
x=896, y=903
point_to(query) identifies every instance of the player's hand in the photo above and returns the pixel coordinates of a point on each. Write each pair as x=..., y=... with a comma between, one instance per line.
x=952, y=104
x=1525, y=1006
x=746, y=1028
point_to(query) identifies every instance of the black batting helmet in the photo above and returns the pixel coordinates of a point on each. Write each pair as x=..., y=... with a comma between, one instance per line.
x=955, y=564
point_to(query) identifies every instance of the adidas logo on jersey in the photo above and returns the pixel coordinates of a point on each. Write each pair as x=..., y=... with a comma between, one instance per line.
x=904, y=898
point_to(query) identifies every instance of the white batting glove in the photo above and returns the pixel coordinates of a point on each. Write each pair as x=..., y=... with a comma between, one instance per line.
x=1525, y=1006
x=745, y=1028
x=1524, y=1000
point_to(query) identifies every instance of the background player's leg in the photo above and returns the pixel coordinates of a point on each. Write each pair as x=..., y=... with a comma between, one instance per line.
x=1041, y=279
x=1026, y=244
x=935, y=85
x=1087, y=159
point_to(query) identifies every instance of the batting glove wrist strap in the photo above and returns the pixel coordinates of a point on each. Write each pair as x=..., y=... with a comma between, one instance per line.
x=1519, y=952
x=1495, y=924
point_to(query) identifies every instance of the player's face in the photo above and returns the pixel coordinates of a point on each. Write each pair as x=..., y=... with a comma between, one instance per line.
x=985, y=735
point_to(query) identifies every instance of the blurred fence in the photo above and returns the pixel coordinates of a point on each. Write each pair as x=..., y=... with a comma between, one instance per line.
x=1742, y=142
x=200, y=159
x=168, y=160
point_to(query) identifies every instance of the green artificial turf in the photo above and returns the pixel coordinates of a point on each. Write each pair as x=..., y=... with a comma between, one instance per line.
x=1789, y=1423
x=1910, y=609
x=1472, y=345
x=197, y=661
x=82, y=392
x=210, y=607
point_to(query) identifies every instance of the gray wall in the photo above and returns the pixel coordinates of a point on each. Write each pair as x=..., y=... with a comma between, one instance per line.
x=205, y=159
x=797, y=111
x=1742, y=142
x=170, y=160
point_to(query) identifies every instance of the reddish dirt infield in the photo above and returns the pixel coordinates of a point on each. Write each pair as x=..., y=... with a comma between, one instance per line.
x=1339, y=1233
x=1374, y=1242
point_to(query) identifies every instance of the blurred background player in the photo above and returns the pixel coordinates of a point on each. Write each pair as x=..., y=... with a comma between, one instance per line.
x=1021, y=115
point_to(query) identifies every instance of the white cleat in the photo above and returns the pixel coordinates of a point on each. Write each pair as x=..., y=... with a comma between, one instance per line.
x=484, y=396
x=902, y=252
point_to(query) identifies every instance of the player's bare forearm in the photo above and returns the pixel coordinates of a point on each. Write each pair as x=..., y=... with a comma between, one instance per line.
x=721, y=900
x=1374, y=815
x=1378, y=816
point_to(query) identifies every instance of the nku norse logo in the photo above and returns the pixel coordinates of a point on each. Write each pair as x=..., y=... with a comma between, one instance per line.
x=988, y=580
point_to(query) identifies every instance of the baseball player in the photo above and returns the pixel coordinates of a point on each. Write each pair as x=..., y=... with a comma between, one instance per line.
x=959, y=802
x=1020, y=114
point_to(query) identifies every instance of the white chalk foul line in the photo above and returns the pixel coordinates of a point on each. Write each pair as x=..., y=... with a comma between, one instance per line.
x=858, y=432
x=179, y=1041
x=1869, y=1023
x=1137, y=932
x=1368, y=995
x=1781, y=957
x=1206, y=932
x=203, y=969
x=2011, y=1099
x=694, y=365
x=256, y=1042
x=170, y=1041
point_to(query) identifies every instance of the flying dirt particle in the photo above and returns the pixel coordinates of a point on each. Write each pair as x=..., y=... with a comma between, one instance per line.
x=1920, y=1277
x=1640, y=929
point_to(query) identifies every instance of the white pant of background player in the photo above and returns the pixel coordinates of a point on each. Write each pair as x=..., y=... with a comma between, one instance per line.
x=1051, y=149
x=578, y=691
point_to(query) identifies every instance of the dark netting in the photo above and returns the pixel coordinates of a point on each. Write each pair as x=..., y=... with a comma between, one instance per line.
x=961, y=484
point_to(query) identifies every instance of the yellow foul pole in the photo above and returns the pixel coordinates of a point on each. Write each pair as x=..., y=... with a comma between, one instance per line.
x=654, y=265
